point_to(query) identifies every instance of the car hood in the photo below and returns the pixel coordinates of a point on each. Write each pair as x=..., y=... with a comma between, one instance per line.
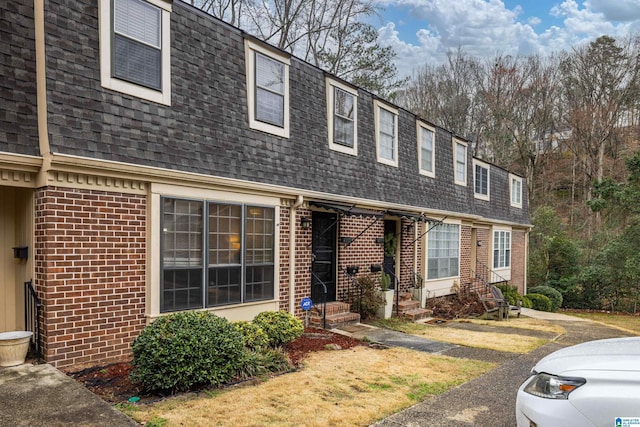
x=617, y=354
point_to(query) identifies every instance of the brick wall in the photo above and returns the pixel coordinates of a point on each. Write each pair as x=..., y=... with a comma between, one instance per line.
x=518, y=259
x=465, y=255
x=408, y=267
x=90, y=255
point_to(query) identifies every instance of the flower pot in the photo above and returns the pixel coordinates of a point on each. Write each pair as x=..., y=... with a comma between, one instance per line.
x=386, y=309
x=14, y=347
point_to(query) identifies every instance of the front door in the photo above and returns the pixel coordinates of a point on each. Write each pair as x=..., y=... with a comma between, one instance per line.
x=323, y=248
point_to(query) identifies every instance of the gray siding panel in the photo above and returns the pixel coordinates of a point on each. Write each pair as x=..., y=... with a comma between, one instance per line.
x=206, y=128
x=18, y=118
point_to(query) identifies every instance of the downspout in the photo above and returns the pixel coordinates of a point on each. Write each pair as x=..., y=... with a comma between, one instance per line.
x=41, y=92
x=292, y=253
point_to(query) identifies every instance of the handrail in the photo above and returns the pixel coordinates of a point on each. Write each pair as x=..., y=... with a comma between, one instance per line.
x=32, y=315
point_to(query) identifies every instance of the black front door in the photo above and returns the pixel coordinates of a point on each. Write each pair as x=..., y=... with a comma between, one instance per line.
x=323, y=247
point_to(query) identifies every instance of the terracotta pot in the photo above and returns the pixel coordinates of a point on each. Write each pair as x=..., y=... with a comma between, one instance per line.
x=14, y=347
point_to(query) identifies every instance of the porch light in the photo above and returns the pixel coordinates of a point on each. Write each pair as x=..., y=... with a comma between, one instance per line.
x=305, y=223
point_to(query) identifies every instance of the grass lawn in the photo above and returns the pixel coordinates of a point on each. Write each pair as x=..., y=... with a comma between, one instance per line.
x=493, y=340
x=625, y=322
x=352, y=387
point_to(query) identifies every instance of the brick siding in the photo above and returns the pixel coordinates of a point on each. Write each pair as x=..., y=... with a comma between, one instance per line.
x=90, y=256
x=518, y=259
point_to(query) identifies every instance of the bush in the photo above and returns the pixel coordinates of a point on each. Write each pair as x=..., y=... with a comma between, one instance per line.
x=540, y=302
x=280, y=326
x=510, y=293
x=553, y=294
x=182, y=350
x=253, y=336
x=369, y=298
x=526, y=302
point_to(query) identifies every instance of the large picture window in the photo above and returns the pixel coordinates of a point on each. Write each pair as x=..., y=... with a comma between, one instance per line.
x=443, y=254
x=501, y=249
x=238, y=241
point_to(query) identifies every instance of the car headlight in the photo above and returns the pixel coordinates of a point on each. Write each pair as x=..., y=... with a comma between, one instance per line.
x=552, y=386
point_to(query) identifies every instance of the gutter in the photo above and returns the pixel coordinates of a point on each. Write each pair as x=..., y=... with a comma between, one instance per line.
x=292, y=253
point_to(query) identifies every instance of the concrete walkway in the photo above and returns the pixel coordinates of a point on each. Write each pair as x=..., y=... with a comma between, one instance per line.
x=40, y=395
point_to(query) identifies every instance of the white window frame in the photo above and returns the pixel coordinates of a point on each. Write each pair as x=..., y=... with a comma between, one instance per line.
x=377, y=106
x=331, y=86
x=108, y=81
x=515, y=190
x=420, y=128
x=456, y=144
x=250, y=49
x=427, y=258
x=478, y=163
x=503, y=262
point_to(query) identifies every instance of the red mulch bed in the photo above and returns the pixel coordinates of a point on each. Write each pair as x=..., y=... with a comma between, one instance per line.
x=111, y=382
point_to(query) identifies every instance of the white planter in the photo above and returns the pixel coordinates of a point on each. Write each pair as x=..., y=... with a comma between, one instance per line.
x=14, y=347
x=386, y=310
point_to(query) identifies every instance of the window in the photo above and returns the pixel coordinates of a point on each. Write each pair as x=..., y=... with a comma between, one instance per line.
x=426, y=150
x=501, y=249
x=481, y=180
x=267, y=89
x=516, y=190
x=386, y=124
x=443, y=251
x=460, y=162
x=238, y=241
x=342, y=112
x=135, y=48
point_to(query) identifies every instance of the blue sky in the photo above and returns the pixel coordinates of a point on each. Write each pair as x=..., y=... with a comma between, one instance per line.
x=422, y=31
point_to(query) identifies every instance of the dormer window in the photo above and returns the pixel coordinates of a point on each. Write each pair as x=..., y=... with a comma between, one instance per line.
x=386, y=124
x=342, y=115
x=460, y=162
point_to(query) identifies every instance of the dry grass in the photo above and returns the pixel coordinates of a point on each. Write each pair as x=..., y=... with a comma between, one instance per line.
x=336, y=388
x=489, y=340
x=521, y=323
x=624, y=322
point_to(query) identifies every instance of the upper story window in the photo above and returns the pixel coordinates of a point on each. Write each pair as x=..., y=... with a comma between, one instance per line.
x=460, y=162
x=267, y=89
x=481, y=180
x=135, y=48
x=515, y=184
x=426, y=149
x=501, y=249
x=342, y=113
x=386, y=128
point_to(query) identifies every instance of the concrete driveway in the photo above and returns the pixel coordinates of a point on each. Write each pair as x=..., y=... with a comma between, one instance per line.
x=490, y=400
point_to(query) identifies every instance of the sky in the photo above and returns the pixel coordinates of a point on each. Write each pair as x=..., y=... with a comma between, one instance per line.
x=423, y=31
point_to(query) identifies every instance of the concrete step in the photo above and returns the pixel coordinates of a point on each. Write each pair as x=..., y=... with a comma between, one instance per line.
x=336, y=320
x=407, y=305
x=332, y=307
x=417, y=314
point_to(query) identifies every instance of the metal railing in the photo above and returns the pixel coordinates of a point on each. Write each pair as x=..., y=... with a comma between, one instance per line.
x=32, y=316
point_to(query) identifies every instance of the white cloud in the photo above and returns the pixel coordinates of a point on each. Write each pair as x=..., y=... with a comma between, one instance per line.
x=484, y=28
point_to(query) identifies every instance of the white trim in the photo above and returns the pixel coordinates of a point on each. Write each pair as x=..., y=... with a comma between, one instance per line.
x=154, y=275
x=421, y=127
x=455, y=142
x=377, y=105
x=486, y=166
x=503, y=271
x=331, y=85
x=109, y=82
x=250, y=48
x=512, y=179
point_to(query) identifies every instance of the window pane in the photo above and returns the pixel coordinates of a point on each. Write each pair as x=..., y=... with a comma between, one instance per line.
x=482, y=180
x=343, y=119
x=269, y=74
x=138, y=20
x=137, y=62
x=269, y=107
x=224, y=286
x=182, y=289
x=461, y=163
x=343, y=131
x=344, y=103
x=443, y=253
x=182, y=233
x=386, y=135
x=225, y=240
x=259, y=254
x=426, y=147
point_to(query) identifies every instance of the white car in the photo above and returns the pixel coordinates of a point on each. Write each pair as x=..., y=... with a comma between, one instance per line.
x=596, y=383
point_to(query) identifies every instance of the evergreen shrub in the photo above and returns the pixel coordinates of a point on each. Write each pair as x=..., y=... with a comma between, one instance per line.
x=280, y=326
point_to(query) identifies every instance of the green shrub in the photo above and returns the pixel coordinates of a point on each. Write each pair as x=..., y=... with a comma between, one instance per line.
x=182, y=350
x=265, y=361
x=280, y=326
x=510, y=293
x=553, y=294
x=540, y=302
x=369, y=298
x=253, y=336
x=526, y=302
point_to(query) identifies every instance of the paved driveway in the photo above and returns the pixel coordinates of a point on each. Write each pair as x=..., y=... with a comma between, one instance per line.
x=490, y=400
